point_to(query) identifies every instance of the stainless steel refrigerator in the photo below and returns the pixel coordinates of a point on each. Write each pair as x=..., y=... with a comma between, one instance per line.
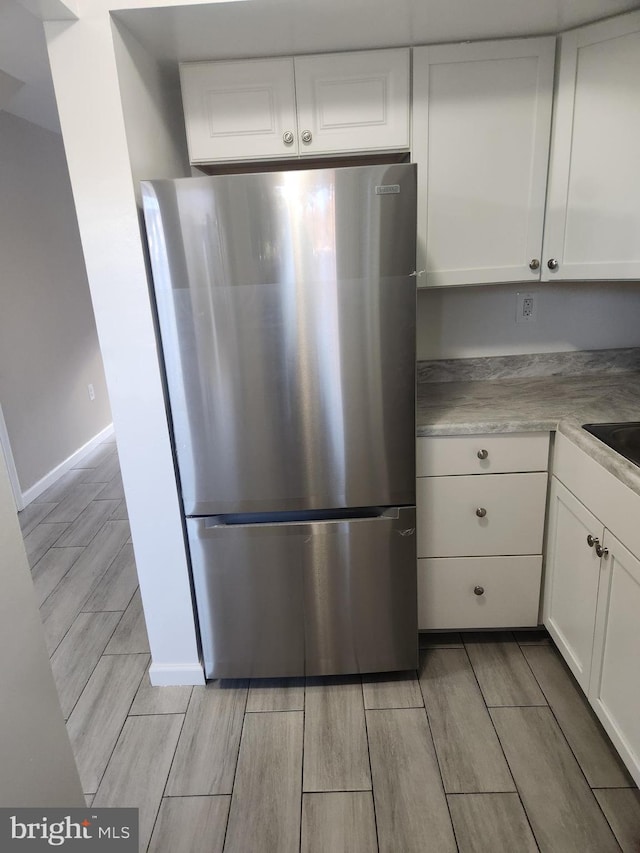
x=286, y=309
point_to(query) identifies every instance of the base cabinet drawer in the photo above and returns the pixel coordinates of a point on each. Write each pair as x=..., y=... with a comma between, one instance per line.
x=478, y=592
x=478, y=516
x=441, y=455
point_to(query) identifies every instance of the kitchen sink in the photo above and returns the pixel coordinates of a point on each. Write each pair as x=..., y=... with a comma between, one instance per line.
x=623, y=438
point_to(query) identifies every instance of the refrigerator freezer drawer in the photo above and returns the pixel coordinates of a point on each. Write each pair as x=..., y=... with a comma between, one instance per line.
x=306, y=598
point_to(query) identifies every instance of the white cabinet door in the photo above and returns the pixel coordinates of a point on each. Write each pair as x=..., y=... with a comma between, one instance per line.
x=239, y=110
x=614, y=690
x=571, y=581
x=593, y=215
x=481, y=126
x=353, y=101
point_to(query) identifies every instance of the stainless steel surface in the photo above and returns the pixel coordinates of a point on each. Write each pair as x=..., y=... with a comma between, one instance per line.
x=483, y=454
x=478, y=590
x=311, y=598
x=600, y=551
x=287, y=314
x=481, y=512
x=592, y=540
x=306, y=136
x=287, y=137
x=534, y=264
x=553, y=264
x=286, y=309
x=624, y=438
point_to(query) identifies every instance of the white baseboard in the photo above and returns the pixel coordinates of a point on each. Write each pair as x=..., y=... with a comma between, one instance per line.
x=71, y=462
x=175, y=674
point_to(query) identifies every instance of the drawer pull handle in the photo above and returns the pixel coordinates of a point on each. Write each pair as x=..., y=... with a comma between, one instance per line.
x=478, y=590
x=481, y=512
x=593, y=540
x=600, y=551
x=482, y=454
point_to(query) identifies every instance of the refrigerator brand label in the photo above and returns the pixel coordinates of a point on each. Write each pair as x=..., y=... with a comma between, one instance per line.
x=387, y=189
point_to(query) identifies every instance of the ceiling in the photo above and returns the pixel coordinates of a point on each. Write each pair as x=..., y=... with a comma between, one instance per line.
x=270, y=27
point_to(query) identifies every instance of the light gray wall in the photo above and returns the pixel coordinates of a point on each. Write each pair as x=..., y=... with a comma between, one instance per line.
x=465, y=322
x=36, y=763
x=48, y=344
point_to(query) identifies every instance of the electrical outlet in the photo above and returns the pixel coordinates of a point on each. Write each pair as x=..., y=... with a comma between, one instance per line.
x=526, y=307
x=92, y=393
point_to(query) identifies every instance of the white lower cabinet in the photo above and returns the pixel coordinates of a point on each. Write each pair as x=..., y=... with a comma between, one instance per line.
x=571, y=584
x=614, y=689
x=592, y=592
x=480, y=533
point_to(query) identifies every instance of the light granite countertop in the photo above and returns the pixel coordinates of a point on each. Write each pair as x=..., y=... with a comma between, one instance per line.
x=536, y=403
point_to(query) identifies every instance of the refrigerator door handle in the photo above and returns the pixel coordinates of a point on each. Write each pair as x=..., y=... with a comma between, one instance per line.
x=299, y=519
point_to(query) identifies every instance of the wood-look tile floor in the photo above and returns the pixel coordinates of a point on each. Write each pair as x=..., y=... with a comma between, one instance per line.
x=489, y=747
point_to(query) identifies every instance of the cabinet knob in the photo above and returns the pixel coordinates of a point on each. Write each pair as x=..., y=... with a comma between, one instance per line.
x=534, y=264
x=600, y=551
x=482, y=454
x=481, y=512
x=592, y=540
x=553, y=264
x=306, y=136
x=287, y=137
x=478, y=590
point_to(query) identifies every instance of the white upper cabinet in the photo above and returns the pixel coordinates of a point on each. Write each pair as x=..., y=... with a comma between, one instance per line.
x=593, y=214
x=481, y=127
x=353, y=101
x=239, y=110
x=346, y=102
